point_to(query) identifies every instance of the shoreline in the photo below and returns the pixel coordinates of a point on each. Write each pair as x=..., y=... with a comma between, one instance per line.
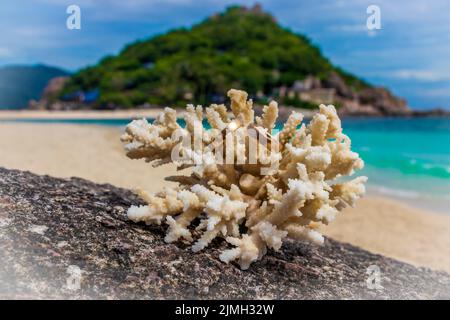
x=378, y=224
x=119, y=114
x=79, y=114
x=437, y=206
x=26, y=114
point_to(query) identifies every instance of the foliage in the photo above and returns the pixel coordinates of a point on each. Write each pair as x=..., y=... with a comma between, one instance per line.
x=240, y=48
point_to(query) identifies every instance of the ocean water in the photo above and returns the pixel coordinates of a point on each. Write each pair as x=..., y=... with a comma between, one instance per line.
x=405, y=158
x=408, y=159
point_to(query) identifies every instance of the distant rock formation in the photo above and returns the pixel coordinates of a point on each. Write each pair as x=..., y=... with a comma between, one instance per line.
x=22, y=83
x=369, y=101
x=49, y=95
x=70, y=239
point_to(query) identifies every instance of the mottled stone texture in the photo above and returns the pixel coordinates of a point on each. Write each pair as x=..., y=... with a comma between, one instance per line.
x=49, y=224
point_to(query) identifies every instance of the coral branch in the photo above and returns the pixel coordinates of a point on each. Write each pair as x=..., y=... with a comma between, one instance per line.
x=245, y=185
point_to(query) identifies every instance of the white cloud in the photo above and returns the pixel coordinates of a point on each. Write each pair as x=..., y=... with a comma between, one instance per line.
x=5, y=52
x=421, y=75
x=108, y=5
x=352, y=28
x=88, y=3
x=435, y=93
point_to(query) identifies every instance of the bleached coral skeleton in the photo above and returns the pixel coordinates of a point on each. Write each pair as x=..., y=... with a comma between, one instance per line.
x=260, y=189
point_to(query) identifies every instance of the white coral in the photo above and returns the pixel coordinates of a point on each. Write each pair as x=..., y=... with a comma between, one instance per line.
x=286, y=192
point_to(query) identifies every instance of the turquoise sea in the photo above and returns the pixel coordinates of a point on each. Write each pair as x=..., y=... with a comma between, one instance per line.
x=405, y=158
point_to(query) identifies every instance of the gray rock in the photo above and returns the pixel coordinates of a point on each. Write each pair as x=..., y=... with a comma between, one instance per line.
x=71, y=239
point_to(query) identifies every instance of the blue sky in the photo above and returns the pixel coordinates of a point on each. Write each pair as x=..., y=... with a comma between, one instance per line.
x=410, y=54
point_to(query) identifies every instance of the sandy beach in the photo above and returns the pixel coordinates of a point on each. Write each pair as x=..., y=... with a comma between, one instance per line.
x=79, y=114
x=378, y=224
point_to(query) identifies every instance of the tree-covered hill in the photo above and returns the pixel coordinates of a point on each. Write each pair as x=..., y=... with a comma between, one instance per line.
x=239, y=48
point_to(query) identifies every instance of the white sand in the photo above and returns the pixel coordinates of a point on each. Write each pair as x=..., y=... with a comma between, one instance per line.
x=79, y=114
x=91, y=152
x=377, y=224
x=397, y=230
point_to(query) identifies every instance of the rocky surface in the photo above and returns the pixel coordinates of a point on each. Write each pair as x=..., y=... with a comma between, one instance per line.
x=71, y=239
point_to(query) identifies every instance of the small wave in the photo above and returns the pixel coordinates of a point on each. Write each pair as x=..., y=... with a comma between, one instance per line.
x=409, y=194
x=438, y=170
x=364, y=148
x=434, y=202
x=397, y=192
x=409, y=166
